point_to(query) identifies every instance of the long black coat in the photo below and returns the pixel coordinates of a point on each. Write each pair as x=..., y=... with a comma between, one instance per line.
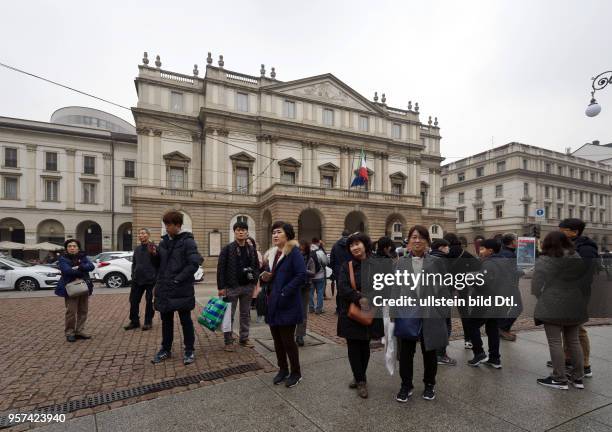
x=177, y=260
x=348, y=328
x=228, y=266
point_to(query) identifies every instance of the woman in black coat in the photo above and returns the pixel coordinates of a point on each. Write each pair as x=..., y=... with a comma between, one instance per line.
x=356, y=334
x=177, y=259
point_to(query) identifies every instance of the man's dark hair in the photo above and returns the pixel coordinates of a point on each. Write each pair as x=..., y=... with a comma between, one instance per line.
x=555, y=243
x=573, y=224
x=508, y=238
x=452, y=239
x=241, y=225
x=173, y=217
x=423, y=232
x=286, y=227
x=315, y=240
x=359, y=237
x=345, y=233
x=438, y=243
x=491, y=244
x=71, y=240
x=383, y=243
x=305, y=245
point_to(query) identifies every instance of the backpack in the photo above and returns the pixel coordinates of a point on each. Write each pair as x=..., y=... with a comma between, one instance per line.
x=317, y=263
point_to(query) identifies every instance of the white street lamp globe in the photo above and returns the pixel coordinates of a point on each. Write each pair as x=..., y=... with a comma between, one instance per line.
x=593, y=109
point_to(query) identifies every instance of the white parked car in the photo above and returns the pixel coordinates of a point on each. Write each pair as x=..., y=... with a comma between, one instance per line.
x=117, y=271
x=19, y=275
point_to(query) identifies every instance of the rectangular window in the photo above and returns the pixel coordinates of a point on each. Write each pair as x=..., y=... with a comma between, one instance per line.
x=397, y=131
x=288, y=177
x=602, y=179
x=582, y=213
x=546, y=191
x=526, y=189
x=176, y=178
x=129, y=168
x=364, y=123
x=461, y=177
x=460, y=216
x=559, y=193
x=571, y=172
x=593, y=177
x=525, y=210
x=602, y=216
x=525, y=164
x=479, y=214
x=242, y=102
x=89, y=164
x=499, y=191
x=444, y=182
x=601, y=200
x=479, y=171
x=328, y=117
x=50, y=161
x=499, y=211
x=570, y=212
x=51, y=190
x=396, y=188
x=570, y=195
x=547, y=168
x=176, y=101
x=560, y=170
x=10, y=157
x=559, y=212
x=547, y=212
x=582, y=174
x=327, y=182
x=591, y=199
x=242, y=180
x=89, y=193
x=501, y=166
x=10, y=188
x=289, y=109
x=127, y=195
x=581, y=196
x=461, y=198
x=592, y=215
x=479, y=194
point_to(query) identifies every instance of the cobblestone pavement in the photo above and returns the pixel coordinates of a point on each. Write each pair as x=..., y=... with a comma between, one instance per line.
x=38, y=367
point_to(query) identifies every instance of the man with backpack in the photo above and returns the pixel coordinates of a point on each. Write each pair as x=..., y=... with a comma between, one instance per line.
x=318, y=281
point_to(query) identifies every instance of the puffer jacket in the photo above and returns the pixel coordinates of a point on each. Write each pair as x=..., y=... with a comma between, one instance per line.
x=65, y=264
x=177, y=260
x=558, y=284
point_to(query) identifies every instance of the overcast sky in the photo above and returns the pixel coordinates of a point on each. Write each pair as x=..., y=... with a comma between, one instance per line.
x=492, y=71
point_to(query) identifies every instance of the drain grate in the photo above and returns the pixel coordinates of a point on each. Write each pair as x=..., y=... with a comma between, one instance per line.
x=106, y=398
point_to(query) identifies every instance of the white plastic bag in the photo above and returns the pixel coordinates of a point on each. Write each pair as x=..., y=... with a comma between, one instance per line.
x=389, y=342
x=226, y=325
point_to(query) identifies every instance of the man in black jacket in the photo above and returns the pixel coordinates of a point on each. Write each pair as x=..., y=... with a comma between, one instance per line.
x=177, y=259
x=508, y=251
x=339, y=255
x=144, y=274
x=587, y=249
x=237, y=275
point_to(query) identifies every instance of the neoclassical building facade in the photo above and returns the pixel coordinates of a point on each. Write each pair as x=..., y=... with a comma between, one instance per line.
x=230, y=146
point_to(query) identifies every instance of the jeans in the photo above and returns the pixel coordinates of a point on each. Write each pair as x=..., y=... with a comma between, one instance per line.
x=407, y=349
x=76, y=315
x=285, y=346
x=586, y=346
x=359, y=356
x=136, y=293
x=319, y=286
x=570, y=334
x=167, y=319
x=240, y=295
x=300, y=330
x=492, y=330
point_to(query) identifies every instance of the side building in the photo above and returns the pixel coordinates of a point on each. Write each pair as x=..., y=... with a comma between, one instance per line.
x=499, y=190
x=230, y=146
x=71, y=177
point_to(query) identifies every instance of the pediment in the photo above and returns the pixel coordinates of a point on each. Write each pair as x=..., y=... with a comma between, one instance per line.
x=177, y=156
x=290, y=162
x=326, y=89
x=398, y=176
x=242, y=156
x=329, y=167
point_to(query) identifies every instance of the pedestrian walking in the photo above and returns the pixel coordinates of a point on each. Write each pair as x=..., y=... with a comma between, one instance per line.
x=74, y=265
x=439, y=248
x=432, y=331
x=351, y=291
x=286, y=275
x=318, y=281
x=309, y=261
x=237, y=275
x=144, y=274
x=177, y=259
x=509, y=243
x=558, y=283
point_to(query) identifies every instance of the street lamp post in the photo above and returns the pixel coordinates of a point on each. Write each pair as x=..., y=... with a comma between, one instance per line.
x=599, y=83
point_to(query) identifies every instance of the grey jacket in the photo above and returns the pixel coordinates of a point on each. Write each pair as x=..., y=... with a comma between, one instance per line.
x=435, y=332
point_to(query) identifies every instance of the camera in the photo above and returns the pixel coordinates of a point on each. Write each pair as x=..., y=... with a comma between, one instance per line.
x=247, y=276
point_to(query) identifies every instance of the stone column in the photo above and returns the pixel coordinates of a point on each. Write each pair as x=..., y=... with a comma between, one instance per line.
x=385, y=173
x=306, y=177
x=70, y=179
x=31, y=177
x=209, y=145
x=378, y=174
x=222, y=158
x=196, y=162
x=156, y=163
x=107, y=180
x=343, y=173
x=215, y=160
x=314, y=165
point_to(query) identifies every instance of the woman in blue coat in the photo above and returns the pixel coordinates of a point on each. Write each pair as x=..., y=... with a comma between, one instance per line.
x=74, y=265
x=286, y=275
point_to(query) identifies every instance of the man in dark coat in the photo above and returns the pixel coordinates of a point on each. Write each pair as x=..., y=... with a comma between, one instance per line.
x=508, y=251
x=177, y=259
x=144, y=274
x=339, y=255
x=587, y=249
x=237, y=274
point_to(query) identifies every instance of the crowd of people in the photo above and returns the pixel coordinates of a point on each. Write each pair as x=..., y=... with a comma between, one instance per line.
x=287, y=283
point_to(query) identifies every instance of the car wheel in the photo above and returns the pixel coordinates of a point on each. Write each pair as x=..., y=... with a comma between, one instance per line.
x=115, y=280
x=27, y=284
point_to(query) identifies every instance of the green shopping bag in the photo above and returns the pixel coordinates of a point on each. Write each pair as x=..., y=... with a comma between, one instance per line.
x=212, y=315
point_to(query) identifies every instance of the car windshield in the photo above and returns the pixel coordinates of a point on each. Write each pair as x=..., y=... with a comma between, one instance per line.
x=16, y=262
